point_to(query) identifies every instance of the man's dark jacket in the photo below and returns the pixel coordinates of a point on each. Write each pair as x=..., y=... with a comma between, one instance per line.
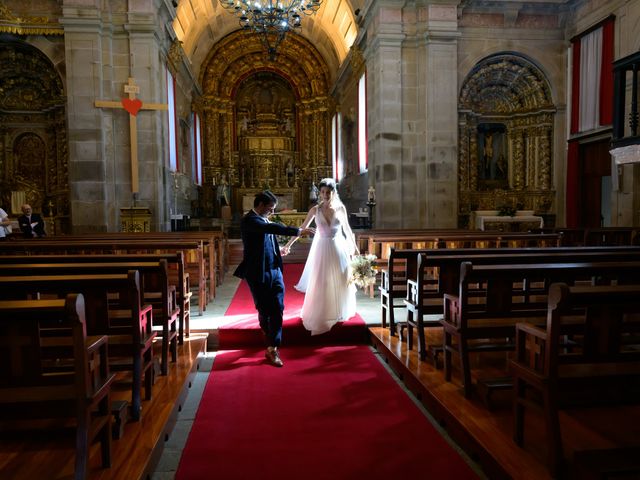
x=261, y=249
x=27, y=230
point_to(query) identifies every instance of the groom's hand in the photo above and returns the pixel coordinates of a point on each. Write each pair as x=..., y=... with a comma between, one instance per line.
x=305, y=232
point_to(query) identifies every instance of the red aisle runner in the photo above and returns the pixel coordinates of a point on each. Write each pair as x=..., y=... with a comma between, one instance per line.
x=330, y=413
x=241, y=328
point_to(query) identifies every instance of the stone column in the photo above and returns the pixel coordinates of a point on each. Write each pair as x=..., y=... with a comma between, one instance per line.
x=89, y=154
x=384, y=108
x=99, y=140
x=441, y=94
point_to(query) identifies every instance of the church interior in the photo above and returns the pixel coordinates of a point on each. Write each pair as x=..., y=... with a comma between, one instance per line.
x=465, y=137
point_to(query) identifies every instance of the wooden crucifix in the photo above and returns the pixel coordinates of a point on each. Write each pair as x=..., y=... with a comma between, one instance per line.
x=132, y=105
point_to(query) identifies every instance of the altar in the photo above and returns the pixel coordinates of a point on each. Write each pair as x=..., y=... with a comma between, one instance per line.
x=484, y=217
x=286, y=198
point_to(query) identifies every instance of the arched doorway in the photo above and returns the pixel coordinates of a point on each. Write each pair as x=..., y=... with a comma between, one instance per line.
x=33, y=135
x=265, y=122
x=505, y=138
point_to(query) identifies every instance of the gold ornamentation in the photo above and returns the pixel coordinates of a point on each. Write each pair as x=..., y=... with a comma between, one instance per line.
x=265, y=121
x=525, y=110
x=357, y=61
x=175, y=55
x=34, y=155
x=10, y=23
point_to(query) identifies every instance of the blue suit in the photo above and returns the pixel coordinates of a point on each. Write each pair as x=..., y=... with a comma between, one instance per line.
x=261, y=267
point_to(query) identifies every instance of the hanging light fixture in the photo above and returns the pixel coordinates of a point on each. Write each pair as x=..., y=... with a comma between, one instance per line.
x=271, y=19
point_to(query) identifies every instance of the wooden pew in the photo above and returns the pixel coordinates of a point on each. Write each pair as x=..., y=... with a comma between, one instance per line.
x=178, y=277
x=380, y=245
x=154, y=283
x=214, y=244
x=443, y=266
x=192, y=250
x=128, y=324
x=610, y=236
x=52, y=369
x=510, y=294
x=438, y=274
x=604, y=322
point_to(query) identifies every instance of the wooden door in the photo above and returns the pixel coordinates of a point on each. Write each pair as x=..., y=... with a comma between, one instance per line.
x=595, y=163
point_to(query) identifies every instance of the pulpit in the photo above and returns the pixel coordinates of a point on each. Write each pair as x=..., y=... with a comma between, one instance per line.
x=135, y=219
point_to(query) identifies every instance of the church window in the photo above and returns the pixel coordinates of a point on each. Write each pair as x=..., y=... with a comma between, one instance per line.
x=363, y=161
x=174, y=164
x=592, y=78
x=336, y=146
x=196, y=150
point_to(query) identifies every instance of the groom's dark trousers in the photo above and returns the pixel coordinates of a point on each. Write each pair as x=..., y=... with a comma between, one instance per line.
x=261, y=267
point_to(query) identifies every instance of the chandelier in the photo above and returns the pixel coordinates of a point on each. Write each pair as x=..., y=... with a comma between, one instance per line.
x=271, y=19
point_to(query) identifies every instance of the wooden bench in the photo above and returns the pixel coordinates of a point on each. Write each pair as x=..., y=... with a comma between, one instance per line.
x=128, y=324
x=484, y=319
x=154, y=283
x=382, y=245
x=178, y=277
x=192, y=250
x=214, y=244
x=52, y=369
x=402, y=267
x=604, y=322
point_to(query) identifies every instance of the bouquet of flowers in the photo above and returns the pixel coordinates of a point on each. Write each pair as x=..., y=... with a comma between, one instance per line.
x=363, y=270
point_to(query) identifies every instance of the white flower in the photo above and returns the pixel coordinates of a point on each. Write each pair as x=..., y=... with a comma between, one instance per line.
x=363, y=270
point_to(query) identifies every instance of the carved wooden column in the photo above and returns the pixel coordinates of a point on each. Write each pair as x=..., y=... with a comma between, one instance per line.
x=545, y=158
x=518, y=159
x=473, y=155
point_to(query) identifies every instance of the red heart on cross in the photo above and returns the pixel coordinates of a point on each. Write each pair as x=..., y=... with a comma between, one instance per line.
x=132, y=105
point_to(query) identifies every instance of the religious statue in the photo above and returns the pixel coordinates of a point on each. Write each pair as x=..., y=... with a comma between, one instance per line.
x=313, y=194
x=290, y=172
x=223, y=192
x=488, y=154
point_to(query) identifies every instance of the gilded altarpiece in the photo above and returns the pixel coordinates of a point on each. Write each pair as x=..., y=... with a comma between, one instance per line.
x=506, y=120
x=265, y=122
x=33, y=136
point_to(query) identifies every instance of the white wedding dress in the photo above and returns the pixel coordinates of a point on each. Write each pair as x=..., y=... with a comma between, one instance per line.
x=329, y=298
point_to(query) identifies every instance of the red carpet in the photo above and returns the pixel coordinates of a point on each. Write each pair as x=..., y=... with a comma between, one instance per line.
x=331, y=413
x=242, y=329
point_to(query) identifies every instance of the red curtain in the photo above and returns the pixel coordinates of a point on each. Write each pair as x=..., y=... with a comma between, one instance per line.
x=606, y=74
x=572, y=185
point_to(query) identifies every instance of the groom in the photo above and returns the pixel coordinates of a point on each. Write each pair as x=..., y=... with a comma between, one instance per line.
x=261, y=267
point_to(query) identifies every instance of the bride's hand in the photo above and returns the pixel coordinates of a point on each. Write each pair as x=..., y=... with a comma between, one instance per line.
x=284, y=251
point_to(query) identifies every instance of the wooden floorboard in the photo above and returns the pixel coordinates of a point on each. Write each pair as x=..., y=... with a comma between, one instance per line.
x=35, y=454
x=486, y=434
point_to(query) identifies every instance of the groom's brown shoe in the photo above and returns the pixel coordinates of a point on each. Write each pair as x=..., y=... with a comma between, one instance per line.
x=273, y=358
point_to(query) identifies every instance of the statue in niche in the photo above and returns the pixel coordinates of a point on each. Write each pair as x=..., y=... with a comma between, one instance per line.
x=493, y=167
x=313, y=194
x=290, y=173
x=222, y=192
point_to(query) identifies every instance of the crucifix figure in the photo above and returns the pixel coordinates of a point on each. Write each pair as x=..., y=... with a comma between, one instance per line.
x=132, y=105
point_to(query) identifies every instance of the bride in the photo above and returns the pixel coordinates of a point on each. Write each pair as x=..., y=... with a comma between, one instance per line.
x=329, y=297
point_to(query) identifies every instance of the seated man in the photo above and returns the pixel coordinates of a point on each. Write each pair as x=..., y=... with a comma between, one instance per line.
x=31, y=223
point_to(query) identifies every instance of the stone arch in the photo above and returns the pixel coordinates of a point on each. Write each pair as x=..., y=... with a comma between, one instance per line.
x=290, y=135
x=505, y=115
x=34, y=160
